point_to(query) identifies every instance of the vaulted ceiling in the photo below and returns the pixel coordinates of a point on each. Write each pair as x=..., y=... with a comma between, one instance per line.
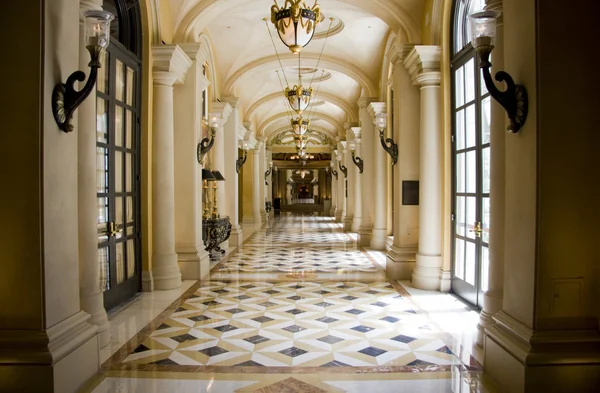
x=246, y=62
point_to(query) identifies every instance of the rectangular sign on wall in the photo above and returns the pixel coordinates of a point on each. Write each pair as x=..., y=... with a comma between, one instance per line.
x=410, y=192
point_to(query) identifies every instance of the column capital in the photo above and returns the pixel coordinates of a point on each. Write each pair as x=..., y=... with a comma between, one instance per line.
x=357, y=133
x=398, y=52
x=364, y=102
x=376, y=108
x=224, y=109
x=194, y=51
x=169, y=59
x=423, y=59
x=342, y=147
x=88, y=5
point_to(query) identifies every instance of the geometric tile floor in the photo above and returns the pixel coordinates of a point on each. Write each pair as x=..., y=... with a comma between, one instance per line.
x=264, y=331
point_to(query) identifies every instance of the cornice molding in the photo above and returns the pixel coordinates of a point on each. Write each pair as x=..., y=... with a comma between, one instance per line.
x=357, y=131
x=398, y=52
x=222, y=108
x=232, y=100
x=363, y=102
x=170, y=59
x=423, y=59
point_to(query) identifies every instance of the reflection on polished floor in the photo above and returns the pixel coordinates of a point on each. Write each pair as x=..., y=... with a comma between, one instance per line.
x=297, y=308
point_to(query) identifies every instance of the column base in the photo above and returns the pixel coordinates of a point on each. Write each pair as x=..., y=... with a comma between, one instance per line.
x=519, y=359
x=400, y=263
x=147, y=281
x=445, y=280
x=94, y=305
x=251, y=220
x=237, y=236
x=59, y=359
x=166, y=271
x=492, y=303
x=348, y=223
x=379, y=239
x=356, y=223
x=426, y=275
x=194, y=265
x=338, y=215
x=364, y=235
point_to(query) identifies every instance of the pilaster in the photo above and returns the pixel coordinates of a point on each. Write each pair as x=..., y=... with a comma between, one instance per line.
x=357, y=187
x=379, y=176
x=234, y=131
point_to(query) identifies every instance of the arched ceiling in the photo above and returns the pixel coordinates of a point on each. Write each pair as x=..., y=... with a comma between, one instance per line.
x=247, y=65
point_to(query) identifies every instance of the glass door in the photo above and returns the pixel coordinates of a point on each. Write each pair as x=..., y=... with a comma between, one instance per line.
x=117, y=175
x=471, y=188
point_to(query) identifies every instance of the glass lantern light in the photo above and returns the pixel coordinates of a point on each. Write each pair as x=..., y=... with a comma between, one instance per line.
x=298, y=97
x=207, y=143
x=295, y=23
x=388, y=144
x=299, y=125
x=65, y=99
x=514, y=99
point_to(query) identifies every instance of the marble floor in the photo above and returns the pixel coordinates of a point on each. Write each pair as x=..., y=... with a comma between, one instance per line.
x=296, y=308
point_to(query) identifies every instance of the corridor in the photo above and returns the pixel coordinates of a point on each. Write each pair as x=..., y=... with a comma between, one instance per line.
x=298, y=308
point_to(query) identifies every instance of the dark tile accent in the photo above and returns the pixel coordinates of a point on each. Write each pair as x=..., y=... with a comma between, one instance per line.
x=163, y=326
x=256, y=339
x=211, y=303
x=372, y=292
x=271, y=292
x=294, y=328
x=355, y=311
x=184, y=337
x=213, y=351
x=262, y=319
x=329, y=339
x=403, y=339
x=327, y=320
x=322, y=292
x=221, y=291
x=372, y=351
x=166, y=361
x=250, y=363
x=235, y=310
x=324, y=304
x=242, y=297
x=363, y=328
x=180, y=309
x=295, y=297
x=267, y=304
x=198, y=318
x=225, y=328
x=141, y=348
x=390, y=319
x=350, y=298
x=295, y=311
x=420, y=362
x=410, y=311
x=248, y=286
x=445, y=349
x=293, y=352
x=335, y=363
x=379, y=304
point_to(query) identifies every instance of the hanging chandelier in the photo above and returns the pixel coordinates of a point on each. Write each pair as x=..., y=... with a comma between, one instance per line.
x=299, y=97
x=302, y=173
x=299, y=125
x=301, y=142
x=295, y=23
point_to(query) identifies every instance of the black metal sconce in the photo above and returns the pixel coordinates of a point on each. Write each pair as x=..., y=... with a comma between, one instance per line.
x=343, y=169
x=514, y=99
x=388, y=144
x=333, y=171
x=65, y=99
x=206, y=144
x=239, y=163
x=268, y=172
x=357, y=160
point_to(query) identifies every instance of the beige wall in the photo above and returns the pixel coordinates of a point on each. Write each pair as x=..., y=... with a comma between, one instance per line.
x=247, y=174
x=568, y=161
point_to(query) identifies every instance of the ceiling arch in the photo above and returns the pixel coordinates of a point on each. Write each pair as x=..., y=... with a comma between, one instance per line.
x=200, y=15
x=348, y=109
x=320, y=116
x=279, y=130
x=327, y=62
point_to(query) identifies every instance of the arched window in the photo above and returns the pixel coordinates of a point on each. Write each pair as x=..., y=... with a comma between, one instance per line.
x=118, y=102
x=471, y=161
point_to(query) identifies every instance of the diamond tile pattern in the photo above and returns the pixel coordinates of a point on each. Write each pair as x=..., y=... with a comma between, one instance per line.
x=284, y=322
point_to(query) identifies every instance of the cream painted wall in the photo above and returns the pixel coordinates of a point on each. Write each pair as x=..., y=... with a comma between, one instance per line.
x=521, y=166
x=21, y=250
x=247, y=186
x=568, y=161
x=166, y=21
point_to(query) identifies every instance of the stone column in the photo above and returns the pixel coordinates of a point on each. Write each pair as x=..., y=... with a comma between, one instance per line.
x=233, y=132
x=92, y=300
x=379, y=189
x=358, y=179
x=365, y=229
x=334, y=187
x=193, y=259
x=170, y=66
x=404, y=123
x=423, y=62
x=492, y=297
x=217, y=154
x=257, y=183
x=269, y=180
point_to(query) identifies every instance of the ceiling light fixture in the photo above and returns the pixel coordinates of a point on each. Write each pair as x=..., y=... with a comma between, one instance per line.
x=295, y=23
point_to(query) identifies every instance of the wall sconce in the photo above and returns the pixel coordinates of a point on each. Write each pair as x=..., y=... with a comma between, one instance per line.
x=65, y=99
x=206, y=144
x=514, y=98
x=333, y=171
x=268, y=172
x=239, y=163
x=342, y=167
x=388, y=144
x=357, y=160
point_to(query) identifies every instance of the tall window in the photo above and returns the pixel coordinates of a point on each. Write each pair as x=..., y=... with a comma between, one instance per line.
x=471, y=162
x=118, y=156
